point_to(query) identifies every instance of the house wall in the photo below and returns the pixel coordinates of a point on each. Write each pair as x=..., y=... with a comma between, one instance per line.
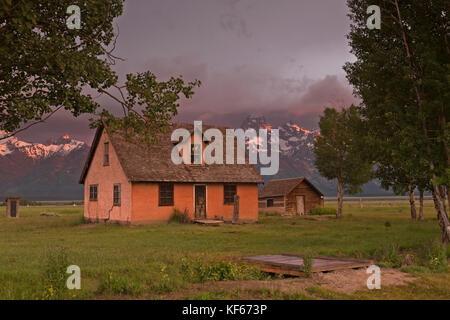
x=312, y=198
x=278, y=204
x=105, y=177
x=145, y=200
x=248, y=202
x=145, y=197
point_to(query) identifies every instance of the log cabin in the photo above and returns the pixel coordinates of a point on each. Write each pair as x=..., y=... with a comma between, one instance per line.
x=131, y=182
x=294, y=196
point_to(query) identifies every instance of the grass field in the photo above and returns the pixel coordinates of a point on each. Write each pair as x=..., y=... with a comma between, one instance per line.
x=169, y=261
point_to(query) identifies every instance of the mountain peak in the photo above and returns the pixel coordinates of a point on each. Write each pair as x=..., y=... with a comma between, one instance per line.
x=63, y=145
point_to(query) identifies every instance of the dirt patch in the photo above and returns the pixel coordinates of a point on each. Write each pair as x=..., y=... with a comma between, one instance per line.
x=344, y=281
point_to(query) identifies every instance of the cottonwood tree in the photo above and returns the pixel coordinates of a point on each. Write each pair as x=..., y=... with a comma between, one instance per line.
x=339, y=152
x=401, y=75
x=46, y=66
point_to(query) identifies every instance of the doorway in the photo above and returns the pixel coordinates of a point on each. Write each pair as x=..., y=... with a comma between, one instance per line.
x=200, y=202
x=300, y=205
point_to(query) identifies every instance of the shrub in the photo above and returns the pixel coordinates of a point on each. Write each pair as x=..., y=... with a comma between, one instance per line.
x=389, y=256
x=54, y=275
x=322, y=211
x=117, y=284
x=433, y=255
x=200, y=271
x=308, y=260
x=180, y=217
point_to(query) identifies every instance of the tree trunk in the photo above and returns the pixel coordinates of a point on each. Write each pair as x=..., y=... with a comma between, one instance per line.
x=412, y=203
x=448, y=196
x=443, y=194
x=340, y=200
x=421, y=204
x=441, y=214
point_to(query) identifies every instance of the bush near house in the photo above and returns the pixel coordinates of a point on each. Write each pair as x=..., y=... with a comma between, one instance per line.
x=322, y=211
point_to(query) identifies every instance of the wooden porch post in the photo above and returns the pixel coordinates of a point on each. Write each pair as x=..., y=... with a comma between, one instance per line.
x=236, y=209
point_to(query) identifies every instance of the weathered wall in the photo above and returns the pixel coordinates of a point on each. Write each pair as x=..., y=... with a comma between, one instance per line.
x=312, y=198
x=145, y=208
x=105, y=177
x=278, y=205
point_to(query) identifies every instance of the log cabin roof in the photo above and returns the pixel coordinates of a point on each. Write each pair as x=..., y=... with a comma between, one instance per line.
x=282, y=187
x=152, y=163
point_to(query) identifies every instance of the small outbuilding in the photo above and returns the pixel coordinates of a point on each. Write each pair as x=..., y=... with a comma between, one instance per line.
x=290, y=196
x=12, y=207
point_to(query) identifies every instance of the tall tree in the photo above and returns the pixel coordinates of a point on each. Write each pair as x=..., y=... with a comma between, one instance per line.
x=339, y=151
x=401, y=74
x=46, y=66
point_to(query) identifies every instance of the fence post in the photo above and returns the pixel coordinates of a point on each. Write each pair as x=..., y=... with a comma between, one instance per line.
x=236, y=209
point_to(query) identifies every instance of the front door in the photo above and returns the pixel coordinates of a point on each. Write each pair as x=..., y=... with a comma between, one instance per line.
x=300, y=205
x=13, y=208
x=200, y=202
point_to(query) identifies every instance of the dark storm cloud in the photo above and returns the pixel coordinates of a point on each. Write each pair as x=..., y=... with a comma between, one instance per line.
x=281, y=58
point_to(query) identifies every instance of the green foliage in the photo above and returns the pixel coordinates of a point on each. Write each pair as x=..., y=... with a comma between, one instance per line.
x=338, y=149
x=55, y=276
x=45, y=66
x=202, y=271
x=389, y=256
x=308, y=261
x=401, y=75
x=322, y=211
x=116, y=284
x=433, y=255
x=179, y=217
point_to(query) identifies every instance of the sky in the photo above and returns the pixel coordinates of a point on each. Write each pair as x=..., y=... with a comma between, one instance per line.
x=278, y=58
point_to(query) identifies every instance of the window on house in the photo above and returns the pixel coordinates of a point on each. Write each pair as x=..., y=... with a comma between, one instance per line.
x=116, y=195
x=196, y=153
x=165, y=194
x=269, y=203
x=106, y=154
x=229, y=191
x=93, y=192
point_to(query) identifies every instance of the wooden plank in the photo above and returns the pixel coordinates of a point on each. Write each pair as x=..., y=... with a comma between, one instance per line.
x=293, y=264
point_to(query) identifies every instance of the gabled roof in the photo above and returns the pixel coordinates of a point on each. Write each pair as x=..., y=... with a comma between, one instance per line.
x=152, y=163
x=283, y=187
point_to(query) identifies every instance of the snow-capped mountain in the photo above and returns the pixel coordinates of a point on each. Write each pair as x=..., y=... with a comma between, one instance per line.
x=63, y=146
x=297, y=155
x=41, y=170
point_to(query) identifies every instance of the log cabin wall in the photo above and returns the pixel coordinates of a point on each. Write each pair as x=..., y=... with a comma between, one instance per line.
x=276, y=202
x=312, y=198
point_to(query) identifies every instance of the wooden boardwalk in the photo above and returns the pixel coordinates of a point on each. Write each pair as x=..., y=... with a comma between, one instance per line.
x=293, y=264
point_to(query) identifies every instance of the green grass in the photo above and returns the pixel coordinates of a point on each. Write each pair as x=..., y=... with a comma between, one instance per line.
x=147, y=261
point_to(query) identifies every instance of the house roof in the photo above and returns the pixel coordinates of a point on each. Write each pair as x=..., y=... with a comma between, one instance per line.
x=152, y=163
x=282, y=187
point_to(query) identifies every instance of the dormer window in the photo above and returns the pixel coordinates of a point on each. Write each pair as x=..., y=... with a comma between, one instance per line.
x=196, y=153
x=106, y=154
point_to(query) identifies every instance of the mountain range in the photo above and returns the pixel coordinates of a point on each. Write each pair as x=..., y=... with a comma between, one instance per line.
x=50, y=171
x=42, y=171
